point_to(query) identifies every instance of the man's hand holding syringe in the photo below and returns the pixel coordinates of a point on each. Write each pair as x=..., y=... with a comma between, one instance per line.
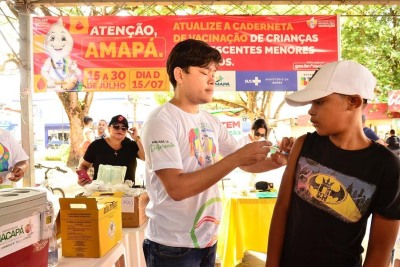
x=279, y=152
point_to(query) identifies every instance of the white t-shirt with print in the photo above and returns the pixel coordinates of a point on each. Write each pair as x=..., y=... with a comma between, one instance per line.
x=175, y=139
x=91, y=134
x=11, y=152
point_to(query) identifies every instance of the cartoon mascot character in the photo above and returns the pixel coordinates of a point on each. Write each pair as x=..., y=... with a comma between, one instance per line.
x=60, y=71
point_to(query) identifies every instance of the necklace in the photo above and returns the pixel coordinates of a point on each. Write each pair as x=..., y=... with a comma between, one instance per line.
x=113, y=146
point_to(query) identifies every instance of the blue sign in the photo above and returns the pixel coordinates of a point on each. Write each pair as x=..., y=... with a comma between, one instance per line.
x=266, y=81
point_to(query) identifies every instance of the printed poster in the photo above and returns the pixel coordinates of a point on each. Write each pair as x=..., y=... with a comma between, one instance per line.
x=116, y=53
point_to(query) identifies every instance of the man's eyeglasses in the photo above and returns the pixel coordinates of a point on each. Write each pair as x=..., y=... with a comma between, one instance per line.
x=119, y=127
x=256, y=133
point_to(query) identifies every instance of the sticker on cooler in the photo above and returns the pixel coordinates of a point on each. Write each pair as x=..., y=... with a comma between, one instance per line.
x=18, y=235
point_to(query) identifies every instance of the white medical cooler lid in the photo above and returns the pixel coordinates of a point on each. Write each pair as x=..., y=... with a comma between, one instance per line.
x=14, y=199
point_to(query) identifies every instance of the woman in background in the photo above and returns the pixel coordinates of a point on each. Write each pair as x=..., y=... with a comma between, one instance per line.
x=258, y=132
x=115, y=150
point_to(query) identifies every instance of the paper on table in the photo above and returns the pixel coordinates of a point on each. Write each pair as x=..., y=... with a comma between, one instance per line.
x=111, y=174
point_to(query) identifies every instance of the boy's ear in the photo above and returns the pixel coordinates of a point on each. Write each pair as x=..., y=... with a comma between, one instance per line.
x=355, y=101
x=178, y=75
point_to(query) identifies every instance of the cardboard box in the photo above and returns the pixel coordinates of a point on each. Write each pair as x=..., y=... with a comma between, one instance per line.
x=21, y=236
x=91, y=226
x=133, y=210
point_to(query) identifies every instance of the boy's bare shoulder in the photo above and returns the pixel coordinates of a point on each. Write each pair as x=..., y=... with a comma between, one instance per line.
x=299, y=141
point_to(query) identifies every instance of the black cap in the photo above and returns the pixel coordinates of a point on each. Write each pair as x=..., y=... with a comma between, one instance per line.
x=119, y=119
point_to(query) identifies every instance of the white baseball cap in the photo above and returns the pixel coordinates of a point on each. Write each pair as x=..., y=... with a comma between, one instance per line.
x=342, y=77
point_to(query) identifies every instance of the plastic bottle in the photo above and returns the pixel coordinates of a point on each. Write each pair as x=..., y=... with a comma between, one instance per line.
x=53, y=247
x=252, y=183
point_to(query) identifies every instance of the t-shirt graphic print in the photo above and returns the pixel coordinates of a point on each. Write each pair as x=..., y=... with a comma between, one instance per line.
x=342, y=196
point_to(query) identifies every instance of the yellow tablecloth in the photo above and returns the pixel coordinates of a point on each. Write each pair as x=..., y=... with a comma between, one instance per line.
x=244, y=226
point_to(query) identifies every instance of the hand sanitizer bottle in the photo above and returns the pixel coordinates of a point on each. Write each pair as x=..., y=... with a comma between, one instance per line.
x=53, y=247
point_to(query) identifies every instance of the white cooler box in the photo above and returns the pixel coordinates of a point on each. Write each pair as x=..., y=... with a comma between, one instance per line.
x=20, y=227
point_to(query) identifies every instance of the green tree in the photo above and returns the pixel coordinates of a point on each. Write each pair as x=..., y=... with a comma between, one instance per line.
x=76, y=110
x=254, y=104
x=374, y=41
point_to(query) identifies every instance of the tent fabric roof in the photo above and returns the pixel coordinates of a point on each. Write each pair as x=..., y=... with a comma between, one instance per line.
x=214, y=2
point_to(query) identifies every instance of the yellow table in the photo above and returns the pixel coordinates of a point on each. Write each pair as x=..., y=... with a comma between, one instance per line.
x=244, y=226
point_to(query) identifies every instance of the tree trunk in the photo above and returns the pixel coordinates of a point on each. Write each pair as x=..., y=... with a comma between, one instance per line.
x=76, y=110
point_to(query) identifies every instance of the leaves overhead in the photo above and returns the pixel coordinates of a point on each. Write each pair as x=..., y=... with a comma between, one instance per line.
x=373, y=40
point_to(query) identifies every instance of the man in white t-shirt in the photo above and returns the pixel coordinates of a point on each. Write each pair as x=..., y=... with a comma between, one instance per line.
x=184, y=146
x=13, y=160
x=101, y=131
x=88, y=134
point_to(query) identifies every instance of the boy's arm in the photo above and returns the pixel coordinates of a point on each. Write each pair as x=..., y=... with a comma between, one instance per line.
x=278, y=222
x=382, y=237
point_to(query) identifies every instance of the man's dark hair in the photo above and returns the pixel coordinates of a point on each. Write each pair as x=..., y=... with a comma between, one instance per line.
x=189, y=53
x=86, y=120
